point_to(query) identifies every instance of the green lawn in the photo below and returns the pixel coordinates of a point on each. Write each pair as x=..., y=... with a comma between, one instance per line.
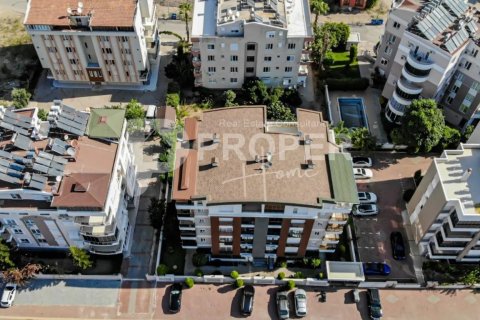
x=340, y=68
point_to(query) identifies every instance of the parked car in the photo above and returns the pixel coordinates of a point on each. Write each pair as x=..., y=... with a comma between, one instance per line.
x=361, y=173
x=362, y=162
x=364, y=210
x=398, y=246
x=300, y=303
x=374, y=306
x=248, y=293
x=173, y=16
x=8, y=295
x=367, y=197
x=283, y=305
x=376, y=269
x=175, y=297
x=376, y=22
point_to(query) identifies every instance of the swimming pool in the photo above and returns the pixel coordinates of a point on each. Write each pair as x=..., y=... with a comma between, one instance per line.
x=352, y=112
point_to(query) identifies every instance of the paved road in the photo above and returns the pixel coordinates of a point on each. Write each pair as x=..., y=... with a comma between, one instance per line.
x=141, y=300
x=12, y=8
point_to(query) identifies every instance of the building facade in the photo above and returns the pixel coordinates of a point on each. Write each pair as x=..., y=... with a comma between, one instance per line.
x=430, y=50
x=68, y=181
x=238, y=39
x=107, y=42
x=251, y=190
x=359, y=4
x=444, y=210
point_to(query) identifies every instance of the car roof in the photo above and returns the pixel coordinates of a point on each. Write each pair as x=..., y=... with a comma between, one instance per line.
x=300, y=291
x=249, y=288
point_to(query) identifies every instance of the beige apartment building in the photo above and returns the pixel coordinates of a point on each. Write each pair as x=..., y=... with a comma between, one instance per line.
x=251, y=190
x=430, y=50
x=445, y=209
x=238, y=39
x=97, y=42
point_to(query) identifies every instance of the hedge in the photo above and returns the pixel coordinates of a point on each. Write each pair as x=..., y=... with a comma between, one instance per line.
x=343, y=84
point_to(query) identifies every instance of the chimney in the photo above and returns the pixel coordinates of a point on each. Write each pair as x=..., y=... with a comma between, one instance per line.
x=308, y=141
x=214, y=162
x=215, y=138
x=466, y=175
x=257, y=158
x=310, y=164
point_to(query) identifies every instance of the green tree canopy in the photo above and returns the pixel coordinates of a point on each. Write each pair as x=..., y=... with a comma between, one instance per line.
x=450, y=138
x=230, y=97
x=20, y=98
x=277, y=111
x=329, y=35
x=173, y=100
x=156, y=212
x=342, y=133
x=185, y=13
x=422, y=126
x=255, y=91
x=42, y=114
x=80, y=257
x=5, y=260
x=134, y=110
x=363, y=140
x=318, y=7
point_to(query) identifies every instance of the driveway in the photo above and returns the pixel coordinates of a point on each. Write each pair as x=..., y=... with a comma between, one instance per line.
x=392, y=175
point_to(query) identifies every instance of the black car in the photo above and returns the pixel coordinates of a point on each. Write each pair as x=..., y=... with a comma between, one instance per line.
x=398, y=246
x=175, y=297
x=374, y=305
x=246, y=306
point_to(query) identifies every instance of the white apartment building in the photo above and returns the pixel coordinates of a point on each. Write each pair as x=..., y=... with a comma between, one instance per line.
x=238, y=39
x=68, y=181
x=430, y=50
x=445, y=209
x=97, y=42
x=259, y=200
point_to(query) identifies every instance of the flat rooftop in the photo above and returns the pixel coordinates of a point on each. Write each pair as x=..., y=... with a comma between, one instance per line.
x=239, y=157
x=104, y=13
x=451, y=169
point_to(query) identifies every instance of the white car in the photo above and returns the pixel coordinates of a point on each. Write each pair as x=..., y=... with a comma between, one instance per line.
x=8, y=295
x=362, y=162
x=367, y=197
x=300, y=303
x=361, y=173
x=364, y=210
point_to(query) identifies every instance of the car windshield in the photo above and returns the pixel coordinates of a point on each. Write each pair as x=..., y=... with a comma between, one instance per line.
x=301, y=297
x=9, y=288
x=367, y=196
x=283, y=312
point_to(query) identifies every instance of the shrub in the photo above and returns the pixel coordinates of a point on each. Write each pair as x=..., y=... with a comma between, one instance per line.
x=342, y=249
x=351, y=84
x=329, y=59
x=407, y=195
x=234, y=274
x=239, y=283
x=281, y=275
x=291, y=284
x=173, y=100
x=42, y=114
x=353, y=53
x=20, y=98
x=315, y=262
x=198, y=272
x=162, y=269
x=320, y=275
x=283, y=264
x=199, y=259
x=298, y=275
x=189, y=282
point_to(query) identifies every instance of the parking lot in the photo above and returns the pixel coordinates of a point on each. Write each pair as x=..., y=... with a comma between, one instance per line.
x=392, y=175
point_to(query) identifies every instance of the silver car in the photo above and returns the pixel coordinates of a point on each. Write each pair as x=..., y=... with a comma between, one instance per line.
x=8, y=295
x=367, y=197
x=300, y=303
x=283, y=305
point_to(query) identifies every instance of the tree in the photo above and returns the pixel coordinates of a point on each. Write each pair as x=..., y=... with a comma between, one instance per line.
x=185, y=10
x=450, y=138
x=199, y=259
x=467, y=133
x=281, y=275
x=134, y=110
x=80, y=257
x=230, y=97
x=318, y=7
x=471, y=278
x=198, y=272
x=234, y=274
x=353, y=53
x=156, y=212
x=342, y=133
x=21, y=276
x=255, y=91
x=291, y=284
x=362, y=139
x=239, y=283
x=315, y=262
x=173, y=100
x=162, y=269
x=20, y=98
x=279, y=112
x=5, y=260
x=329, y=35
x=422, y=126
x=189, y=282
x=42, y=115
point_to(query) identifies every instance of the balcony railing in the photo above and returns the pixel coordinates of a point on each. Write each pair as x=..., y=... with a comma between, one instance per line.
x=106, y=249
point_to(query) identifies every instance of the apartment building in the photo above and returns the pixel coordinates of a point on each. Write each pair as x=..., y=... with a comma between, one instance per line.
x=430, y=50
x=238, y=39
x=97, y=42
x=445, y=209
x=68, y=181
x=359, y=4
x=247, y=189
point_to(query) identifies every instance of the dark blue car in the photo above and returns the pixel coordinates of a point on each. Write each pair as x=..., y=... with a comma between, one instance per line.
x=376, y=269
x=376, y=22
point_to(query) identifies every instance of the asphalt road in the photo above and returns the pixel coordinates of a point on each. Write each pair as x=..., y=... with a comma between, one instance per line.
x=10, y=8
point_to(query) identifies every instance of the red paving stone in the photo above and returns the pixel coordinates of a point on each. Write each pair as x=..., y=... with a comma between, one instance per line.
x=124, y=296
x=144, y=293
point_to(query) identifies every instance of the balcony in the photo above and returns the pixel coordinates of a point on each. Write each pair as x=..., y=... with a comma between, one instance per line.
x=91, y=220
x=305, y=58
x=325, y=247
x=196, y=61
x=188, y=234
x=197, y=72
x=331, y=238
x=338, y=218
x=414, y=75
x=302, y=71
x=104, y=230
x=106, y=249
x=334, y=228
x=185, y=224
x=420, y=60
x=408, y=87
x=450, y=234
x=143, y=75
x=185, y=214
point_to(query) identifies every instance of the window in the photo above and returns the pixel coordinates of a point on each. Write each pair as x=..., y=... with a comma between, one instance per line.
x=17, y=231
x=202, y=230
x=211, y=58
x=233, y=58
x=73, y=61
x=41, y=240
x=250, y=46
x=24, y=241
x=126, y=62
x=210, y=46
x=212, y=69
x=233, y=69
x=104, y=38
x=110, y=62
x=266, y=69
x=396, y=25
x=86, y=45
x=455, y=88
x=469, y=97
x=474, y=53
x=291, y=46
x=388, y=50
x=464, y=108
x=468, y=64
x=70, y=49
x=268, y=58
x=107, y=50
x=77, y=72
x=66, y=38
x=270, y=34
x=250, y=58
x=269, y=46
x=52, y=49
x=290, y=58
x=384, y=61
x=476, y=86
x=288, y=69
x=449, y=99
x=233, y=80
x=317, y=233
x=123, y=39
x=391, y=39
x=35, y=231
x=459, y=76
x=249, y=70
x=126, y=51
x=234, y=47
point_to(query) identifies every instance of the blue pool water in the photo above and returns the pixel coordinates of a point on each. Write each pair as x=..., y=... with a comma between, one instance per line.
x=352, y=112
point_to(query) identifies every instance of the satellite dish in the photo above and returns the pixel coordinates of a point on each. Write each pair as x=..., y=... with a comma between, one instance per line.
x=79, y=10
x=71, y=152
x=58, y=178
x=65, y=137
x=69, y=10
x=80, y=4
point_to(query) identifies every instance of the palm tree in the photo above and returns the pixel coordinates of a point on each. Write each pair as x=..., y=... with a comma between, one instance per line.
x=80, y=257
x=185, y=10
x=318, y=7
x=21, y=276
x=342, y=133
